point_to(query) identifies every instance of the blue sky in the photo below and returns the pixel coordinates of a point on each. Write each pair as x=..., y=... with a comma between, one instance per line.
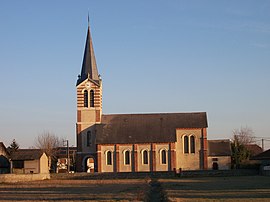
x=153, y=56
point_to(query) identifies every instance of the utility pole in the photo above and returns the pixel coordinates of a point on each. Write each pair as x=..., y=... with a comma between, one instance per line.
x=68, y=160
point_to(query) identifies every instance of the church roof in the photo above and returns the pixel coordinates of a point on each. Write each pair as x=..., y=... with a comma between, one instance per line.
x=219, y=148
x=146, y=128
x=89, y=66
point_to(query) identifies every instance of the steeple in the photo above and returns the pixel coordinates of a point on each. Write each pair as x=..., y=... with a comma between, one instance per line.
x=89, y=66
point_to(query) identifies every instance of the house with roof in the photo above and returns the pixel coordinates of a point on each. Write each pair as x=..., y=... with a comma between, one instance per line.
x=25, y=161
x=254, y=149
x=133, y=142
x=66, y=158
x=264, y=160
x=4, y=159
x=219, y=154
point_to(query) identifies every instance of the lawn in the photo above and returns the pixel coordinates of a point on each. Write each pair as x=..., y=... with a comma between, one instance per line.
x=248, y=188
x=75, y=190
x=244, y=188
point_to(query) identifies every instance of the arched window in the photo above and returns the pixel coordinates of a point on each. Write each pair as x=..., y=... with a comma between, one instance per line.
x=91, y=98
x=186, y=145
x=163, y=156
x=127, y=157
x=88, y=138
x=85, y=100
x=109, y=158
x=192, y=144
x=145, y=157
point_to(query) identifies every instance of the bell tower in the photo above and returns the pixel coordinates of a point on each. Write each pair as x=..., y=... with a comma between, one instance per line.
x=89, y=103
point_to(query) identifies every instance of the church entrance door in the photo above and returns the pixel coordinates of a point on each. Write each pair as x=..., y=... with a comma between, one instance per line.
x=215, y=166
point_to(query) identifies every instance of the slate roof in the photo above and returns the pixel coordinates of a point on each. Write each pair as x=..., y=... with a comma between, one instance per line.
x=219, y=148
x=26, y=154
x=89, y=66
x=262, y=156
x=146, y=128
x=254, y=149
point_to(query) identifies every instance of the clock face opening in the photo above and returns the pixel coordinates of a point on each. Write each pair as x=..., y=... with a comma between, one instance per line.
x=88, y=84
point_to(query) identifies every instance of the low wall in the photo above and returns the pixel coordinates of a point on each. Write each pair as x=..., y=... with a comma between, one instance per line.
x=221, y=173
x=12, y=178
x=122, y=175
x=140, y=175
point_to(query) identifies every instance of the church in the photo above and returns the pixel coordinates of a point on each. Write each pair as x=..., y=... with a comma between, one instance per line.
x=133, y=142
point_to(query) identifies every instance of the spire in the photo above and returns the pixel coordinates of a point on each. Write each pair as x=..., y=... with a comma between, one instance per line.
x=89, y=66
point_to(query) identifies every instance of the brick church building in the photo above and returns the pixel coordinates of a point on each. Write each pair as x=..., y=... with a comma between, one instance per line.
x=133, y=142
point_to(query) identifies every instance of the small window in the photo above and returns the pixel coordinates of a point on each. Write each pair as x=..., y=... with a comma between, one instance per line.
x=18, y=164
x=127, y=157
x=145, y=157
x=163, y=157
x=88, y=138
x=192, y=144
x=91, y=98
x=186, y=145
x=85, y=101
x=214, y=159
x=109, y=158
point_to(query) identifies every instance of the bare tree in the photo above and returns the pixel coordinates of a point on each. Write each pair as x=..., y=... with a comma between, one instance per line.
x=49, y=142
x=243, y=136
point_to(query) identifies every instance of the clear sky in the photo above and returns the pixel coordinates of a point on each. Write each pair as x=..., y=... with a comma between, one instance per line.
x=153, y=56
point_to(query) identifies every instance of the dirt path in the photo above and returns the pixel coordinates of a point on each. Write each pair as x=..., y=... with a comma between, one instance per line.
x=156, y=191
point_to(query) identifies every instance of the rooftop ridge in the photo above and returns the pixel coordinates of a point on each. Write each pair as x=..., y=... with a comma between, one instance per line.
x=154, y=113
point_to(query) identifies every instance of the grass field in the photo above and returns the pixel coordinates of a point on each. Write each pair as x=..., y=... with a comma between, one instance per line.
x=75, y=190
x=249, y=188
